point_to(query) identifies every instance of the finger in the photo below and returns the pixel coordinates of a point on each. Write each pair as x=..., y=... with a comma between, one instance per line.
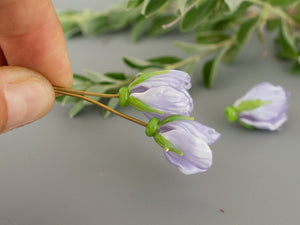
x=2, y=59
x=25, y=96
x=31, y=36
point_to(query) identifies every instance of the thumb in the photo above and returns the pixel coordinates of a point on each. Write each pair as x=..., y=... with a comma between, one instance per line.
x=25, y=96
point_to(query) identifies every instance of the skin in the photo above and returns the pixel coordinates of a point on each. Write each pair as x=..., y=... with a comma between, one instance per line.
x=33, y=57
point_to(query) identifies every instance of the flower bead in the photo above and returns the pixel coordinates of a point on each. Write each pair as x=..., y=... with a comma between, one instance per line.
x=159, y=94
x=185, y=142
x=264, y=107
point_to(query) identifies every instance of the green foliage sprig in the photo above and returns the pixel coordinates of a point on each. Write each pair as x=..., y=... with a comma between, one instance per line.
x=221, y=28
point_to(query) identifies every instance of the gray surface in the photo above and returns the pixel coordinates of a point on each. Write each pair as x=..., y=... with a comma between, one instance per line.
x=91, y=171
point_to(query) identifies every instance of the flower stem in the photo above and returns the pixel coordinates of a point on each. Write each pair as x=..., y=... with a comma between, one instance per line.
x=68, y=90
x=277, y=11
x=100, y=105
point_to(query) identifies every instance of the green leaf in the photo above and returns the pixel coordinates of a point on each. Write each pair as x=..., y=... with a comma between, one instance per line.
x=151, y=6
x=76, y=108
x=231, y=53
x=112, y=103
x=98, y=77
x=140, y=28
x=211, y=37
x=193, y=48
x=164, y=60
x=281, y=2
x=286, y=42
x=295, y=68
x=69, y=100
x=190, y=67
x=131, y=4
x=182, y=5
x=210, y=68
x=60, y=98
x=197, y=15
x=157, y=25
x=116, y=75
x=246, y=29
x=234, y=4
x=272, y=24
x=251, y=104
x=80, y=82
x=137, y=63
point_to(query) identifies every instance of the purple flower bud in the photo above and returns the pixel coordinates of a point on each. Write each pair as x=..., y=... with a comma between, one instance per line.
x=271, y=113
x=193, y=139
x=165, y=92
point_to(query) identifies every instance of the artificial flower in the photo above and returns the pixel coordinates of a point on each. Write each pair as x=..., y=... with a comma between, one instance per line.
x=159, y=94
x=264, y=107
x=185, y=142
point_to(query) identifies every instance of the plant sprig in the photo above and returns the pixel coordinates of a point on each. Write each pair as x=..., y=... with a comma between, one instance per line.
x=221, y=29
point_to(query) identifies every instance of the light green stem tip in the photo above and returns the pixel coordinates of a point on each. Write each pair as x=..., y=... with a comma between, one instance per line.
x=231, y=113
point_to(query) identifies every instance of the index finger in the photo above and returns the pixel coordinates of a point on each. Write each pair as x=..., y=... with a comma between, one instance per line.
x=31, y=36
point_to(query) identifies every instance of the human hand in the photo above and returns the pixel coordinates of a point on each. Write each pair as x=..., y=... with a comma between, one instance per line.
x=31, y=39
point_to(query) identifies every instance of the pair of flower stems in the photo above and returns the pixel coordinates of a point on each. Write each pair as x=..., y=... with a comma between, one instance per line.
x=82, y=95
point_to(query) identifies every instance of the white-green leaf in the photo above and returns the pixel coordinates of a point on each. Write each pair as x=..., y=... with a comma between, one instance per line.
x=98, y=77
x=151, y=6
x=76, y=108
x=131, y=4
x=210, y=68
x=181, y=6
x=193, y=48
x=233, y=4
x=112, y=103
x=136, y=63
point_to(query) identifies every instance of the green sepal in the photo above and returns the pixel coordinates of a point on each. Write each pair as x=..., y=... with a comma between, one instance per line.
x=247, y=125
x=231, y=113
x=152, y=127
x=251, y=104
x=144, y=76
x=141, y=106
x=175, y=117
x=124, y=96
x=166, y=145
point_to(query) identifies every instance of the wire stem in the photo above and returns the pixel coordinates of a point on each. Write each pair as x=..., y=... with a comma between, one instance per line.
x=68, y=90
x=100, y=105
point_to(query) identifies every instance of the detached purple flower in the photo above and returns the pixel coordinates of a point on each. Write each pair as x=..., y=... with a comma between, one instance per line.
x=263, y=107
x=186, y=143
x=160, y=94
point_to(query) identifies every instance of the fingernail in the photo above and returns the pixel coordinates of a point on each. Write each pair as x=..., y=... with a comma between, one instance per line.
x=27, y=100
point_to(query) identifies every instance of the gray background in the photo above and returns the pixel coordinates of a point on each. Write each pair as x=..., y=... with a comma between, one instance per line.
x=89, y=170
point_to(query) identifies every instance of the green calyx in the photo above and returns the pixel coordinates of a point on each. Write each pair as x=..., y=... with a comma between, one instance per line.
x=144, y=76
x=251, y=104
x=166, y=145
x=153, y=128
x=175, y=117
x=124, y=96
x=232, y=113
x=125, y=100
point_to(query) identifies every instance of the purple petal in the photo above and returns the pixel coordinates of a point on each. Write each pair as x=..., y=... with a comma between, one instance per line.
x=167, y=99
x=175, y=78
